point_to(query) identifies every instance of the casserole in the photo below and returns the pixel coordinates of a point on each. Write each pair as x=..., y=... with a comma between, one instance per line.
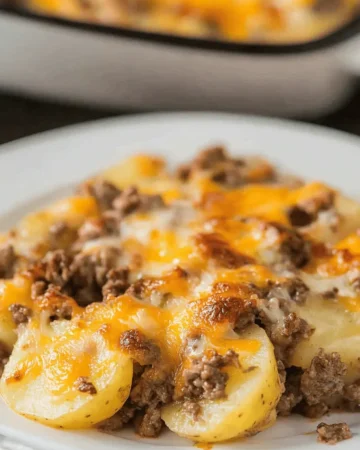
x=71, y=154
x=257, y=21
x=200, y=297
x=134, y=70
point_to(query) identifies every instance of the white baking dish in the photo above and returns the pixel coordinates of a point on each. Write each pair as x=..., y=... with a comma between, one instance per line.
x=126, y=69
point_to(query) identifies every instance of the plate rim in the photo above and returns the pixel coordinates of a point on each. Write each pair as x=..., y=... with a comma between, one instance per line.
x=156, y=117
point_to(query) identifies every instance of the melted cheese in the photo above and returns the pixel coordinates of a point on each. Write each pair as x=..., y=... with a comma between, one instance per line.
x=246, y=20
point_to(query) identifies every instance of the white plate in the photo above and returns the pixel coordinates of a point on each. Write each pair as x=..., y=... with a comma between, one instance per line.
x=37, y=169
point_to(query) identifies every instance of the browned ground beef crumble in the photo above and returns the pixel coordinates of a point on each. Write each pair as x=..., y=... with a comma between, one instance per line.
x=205, y=379
x=7, y=261
x=213, y=247
x=323, y=379
x=4, y=357
x=83, y=384
x=332, y=434
x=20, y=313
x=225, y=170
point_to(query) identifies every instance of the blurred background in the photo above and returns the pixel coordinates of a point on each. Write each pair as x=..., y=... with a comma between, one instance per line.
x=69, y=61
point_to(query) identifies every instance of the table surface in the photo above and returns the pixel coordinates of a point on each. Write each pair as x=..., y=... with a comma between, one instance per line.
x=21, y=117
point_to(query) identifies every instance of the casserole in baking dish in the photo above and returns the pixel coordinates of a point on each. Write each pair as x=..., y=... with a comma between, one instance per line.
x=119, y=67
x=241, y=20
x=203, y=298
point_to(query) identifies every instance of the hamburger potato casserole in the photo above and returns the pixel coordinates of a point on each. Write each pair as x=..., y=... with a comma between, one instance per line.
x=209, y=299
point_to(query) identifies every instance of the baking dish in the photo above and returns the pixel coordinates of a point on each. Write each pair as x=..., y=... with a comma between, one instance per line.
x=129, y=69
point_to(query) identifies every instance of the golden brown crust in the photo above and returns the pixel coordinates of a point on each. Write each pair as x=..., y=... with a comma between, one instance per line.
x=214, y=248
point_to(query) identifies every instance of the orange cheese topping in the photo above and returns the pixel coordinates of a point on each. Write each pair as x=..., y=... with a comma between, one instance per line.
x=245, y=20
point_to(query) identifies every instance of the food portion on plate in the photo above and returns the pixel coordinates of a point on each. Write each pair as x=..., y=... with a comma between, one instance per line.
x=260, y=21
x=209, y=299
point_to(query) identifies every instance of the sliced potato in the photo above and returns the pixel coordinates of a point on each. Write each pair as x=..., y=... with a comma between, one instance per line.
x=33, y=232
x=333, y=226
x=250, y=404
x=139, y=169
x=15, y=291
x=66, y=378
x=336, y=330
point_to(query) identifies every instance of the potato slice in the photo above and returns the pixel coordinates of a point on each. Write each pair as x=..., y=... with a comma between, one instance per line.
x=50, y=370
x=250, y=404
x=15, y=291
x=32, y=237
x=334, y=225
x=139, y=169
x=336, y=330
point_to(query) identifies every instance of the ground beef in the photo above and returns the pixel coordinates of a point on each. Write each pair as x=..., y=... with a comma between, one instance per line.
x=4, y=357
x=313, y=391
x=103, y=192
x=293, y=289
x=127, y=202
x=7, y=261
x=94, y=229
x=61, y=312
x=284, y=332
x=352, y=392
x=307, y=211
x=205, y=379
x=231, y=174
x=334, y=433
x=82, y=276
x=141, y=349
x=152, y=289
x=213, y=247
x=149, y=423
x=282, y=374
x=117, y=282
x=130, y=200
x=299, y=217
x=324, y=378
x=83, y=384
x=38, y=289
x=57, y=229
x=151, y=390
x=245, y=318
x=89, y=273
x=295, y=250
x=209, y=158
x=224, y=169
x=59, y=306
x=292, y=395
x=56, y=267
x=118, y=420
x=61, y=235
x=183, y=172
x=228, y=308
x=20, y=313
x=331, y=294
x=312, y=411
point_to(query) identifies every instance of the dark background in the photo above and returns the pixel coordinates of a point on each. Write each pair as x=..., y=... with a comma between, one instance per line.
x=21, y=117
